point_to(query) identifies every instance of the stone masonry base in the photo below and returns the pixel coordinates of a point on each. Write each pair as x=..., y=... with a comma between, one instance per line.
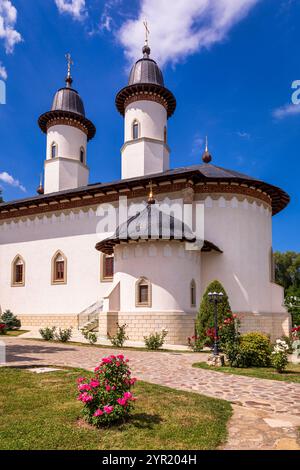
x=180, y=325
x=41, y=321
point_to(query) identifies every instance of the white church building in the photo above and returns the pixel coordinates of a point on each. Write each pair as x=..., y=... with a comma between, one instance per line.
x=57, y=269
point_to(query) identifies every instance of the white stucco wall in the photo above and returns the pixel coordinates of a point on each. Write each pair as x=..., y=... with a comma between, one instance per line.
x=37, y=241
x=69, y=140
x=151, y=116
x=149, y=153
x=169, y=268
x=243, y=230
x=65, y=171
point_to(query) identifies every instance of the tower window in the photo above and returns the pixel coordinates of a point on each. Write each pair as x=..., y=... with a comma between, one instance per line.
x=165, y=134
x=53, y=150
x=143, y=293
x=18, y=271
x=193, y=293
x=59, y=269
x=135, y=130
x=82, y=155
x=107, y=268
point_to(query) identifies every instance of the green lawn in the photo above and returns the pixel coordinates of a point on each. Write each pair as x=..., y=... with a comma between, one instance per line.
x=16, y=332
x=292, y=373
x=40, y=411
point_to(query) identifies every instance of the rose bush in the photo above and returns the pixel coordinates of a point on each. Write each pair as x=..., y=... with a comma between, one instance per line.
x=280, y=355
x=107, y=396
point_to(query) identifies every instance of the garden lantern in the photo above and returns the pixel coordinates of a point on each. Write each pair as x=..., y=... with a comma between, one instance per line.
x=216, y=298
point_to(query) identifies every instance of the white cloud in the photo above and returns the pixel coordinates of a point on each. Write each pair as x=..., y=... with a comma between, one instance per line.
x=8, y=179
x=286, y=110
x=244, y=135
x=76, y=8
x=8, y=19
x=3, y=72
x=182, y=27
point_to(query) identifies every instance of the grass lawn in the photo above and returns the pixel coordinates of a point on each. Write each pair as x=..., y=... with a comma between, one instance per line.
x=16, y=332
x=291, y=374
x=40, y=411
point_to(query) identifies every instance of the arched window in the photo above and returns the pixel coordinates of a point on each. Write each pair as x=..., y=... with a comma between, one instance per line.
x=53, y=150
x=59, y=268
x=143, y=294
x=82, y=155
x=107, y=267
x=193, y=293
x=165, y=134
x=135, y=130
x=18, y=271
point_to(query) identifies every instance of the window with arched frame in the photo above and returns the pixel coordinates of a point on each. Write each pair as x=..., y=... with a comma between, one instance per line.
x=193, y=293
x=135, y=130
x=59, y=268
x=53, y=150
x=107, y=267
x=82, y=155
x=18, y=271
x=143, y=292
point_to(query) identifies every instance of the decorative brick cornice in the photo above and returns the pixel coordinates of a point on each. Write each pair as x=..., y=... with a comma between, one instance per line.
x=64, y=121
x=147, y=97
x=65, y=202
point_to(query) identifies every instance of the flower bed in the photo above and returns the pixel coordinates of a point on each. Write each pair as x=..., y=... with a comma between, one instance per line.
x=107, y=396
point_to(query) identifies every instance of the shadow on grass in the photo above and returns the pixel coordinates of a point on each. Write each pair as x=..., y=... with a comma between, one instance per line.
x=145, y=421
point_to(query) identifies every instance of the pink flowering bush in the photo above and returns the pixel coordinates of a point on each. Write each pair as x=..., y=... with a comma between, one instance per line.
x=107, y=396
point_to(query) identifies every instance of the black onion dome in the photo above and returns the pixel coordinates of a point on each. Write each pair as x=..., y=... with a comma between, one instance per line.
x=146, y=77
x=146, y=70
x=68, y=99
x=67, y=104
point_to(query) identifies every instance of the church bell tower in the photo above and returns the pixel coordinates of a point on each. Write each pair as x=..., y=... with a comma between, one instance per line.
x=68, y=131
x=146, y=105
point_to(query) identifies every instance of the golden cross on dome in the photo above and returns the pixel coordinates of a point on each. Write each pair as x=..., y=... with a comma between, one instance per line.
x=147, y=32
x=69, y=62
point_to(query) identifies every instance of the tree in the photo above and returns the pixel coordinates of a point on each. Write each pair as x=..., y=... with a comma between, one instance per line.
x=205, y=317
x=287, y=274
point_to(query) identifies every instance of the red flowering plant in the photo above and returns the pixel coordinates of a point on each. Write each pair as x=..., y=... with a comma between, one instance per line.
x=296, y=333
x=106, y=396
x=3, y=328
x=195, y=343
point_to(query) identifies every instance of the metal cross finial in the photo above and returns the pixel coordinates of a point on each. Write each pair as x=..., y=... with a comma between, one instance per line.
x=69, y=62
x=147, y=32
x=206, y=144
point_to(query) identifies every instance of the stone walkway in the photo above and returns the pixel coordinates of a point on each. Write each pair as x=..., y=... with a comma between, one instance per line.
x=266, y=412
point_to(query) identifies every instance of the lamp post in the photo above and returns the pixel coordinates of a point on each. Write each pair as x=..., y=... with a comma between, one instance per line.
x=215, y=298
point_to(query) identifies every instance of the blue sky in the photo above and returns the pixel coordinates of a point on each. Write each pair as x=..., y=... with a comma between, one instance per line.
x=230, y=65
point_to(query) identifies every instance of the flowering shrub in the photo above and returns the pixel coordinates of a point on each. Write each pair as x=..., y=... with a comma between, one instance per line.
x=120, y=337
x=64, y=335
x=47, y=333
x=279, y=355
x=90, y=336
x=3, y=328
x=107, y=397
x=296, y=333
x=195, y=343
x=155, y=340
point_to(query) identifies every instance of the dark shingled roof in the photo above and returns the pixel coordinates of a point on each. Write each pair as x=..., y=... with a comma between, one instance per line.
x=68, y=104
x=146, y=71
x=146, y=77
x=151, y=224
x=68, y=99
x=197, y=173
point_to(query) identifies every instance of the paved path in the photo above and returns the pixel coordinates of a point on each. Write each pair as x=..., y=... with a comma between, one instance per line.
x=265, y=398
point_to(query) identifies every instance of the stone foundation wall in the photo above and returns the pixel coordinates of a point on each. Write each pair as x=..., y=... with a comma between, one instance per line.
x=273, y=324
x=41, y=321
x=180, y=325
